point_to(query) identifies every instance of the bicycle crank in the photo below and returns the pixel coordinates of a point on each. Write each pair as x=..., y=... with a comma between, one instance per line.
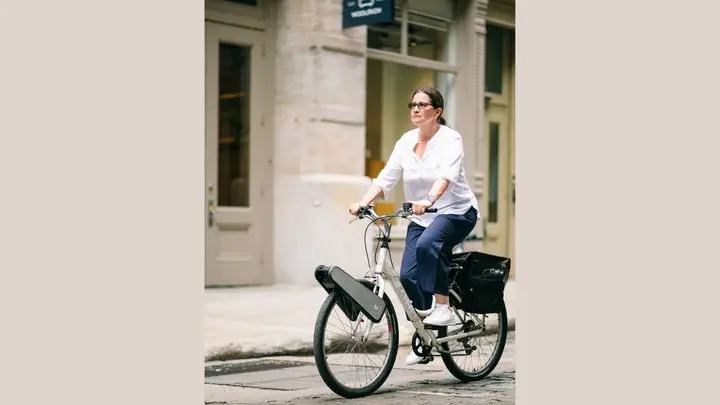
x=420, y=349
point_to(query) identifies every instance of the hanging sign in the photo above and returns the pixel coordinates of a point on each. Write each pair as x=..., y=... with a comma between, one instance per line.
x=367, y=12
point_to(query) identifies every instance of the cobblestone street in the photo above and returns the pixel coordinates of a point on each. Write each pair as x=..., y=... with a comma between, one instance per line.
x=298, y=383
x=498, y=388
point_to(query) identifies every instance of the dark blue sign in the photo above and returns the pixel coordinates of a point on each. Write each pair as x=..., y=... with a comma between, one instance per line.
x=367, y=12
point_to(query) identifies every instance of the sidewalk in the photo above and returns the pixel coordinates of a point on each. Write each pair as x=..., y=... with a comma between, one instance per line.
x=279, y=320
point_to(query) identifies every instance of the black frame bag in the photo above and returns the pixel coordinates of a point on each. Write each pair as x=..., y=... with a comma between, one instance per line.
x=479, y=279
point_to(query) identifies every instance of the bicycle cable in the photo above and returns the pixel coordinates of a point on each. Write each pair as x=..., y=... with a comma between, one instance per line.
x=377, y=246
x=367, y=255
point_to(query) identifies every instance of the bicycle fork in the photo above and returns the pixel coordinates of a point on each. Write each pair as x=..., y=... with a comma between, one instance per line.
x=378, y=290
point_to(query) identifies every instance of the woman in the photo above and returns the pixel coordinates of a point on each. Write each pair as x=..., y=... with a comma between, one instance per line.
x=430, y=161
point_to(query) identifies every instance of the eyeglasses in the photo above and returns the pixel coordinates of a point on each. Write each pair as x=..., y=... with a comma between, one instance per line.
x=420, y=105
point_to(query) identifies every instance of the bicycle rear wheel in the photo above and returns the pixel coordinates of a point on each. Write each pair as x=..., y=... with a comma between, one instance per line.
x=488, y=350
x=344, y=357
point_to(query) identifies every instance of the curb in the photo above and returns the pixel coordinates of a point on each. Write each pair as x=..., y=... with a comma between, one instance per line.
x=299, y=349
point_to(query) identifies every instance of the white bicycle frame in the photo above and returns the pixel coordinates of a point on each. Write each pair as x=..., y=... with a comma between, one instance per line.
x=384, y=271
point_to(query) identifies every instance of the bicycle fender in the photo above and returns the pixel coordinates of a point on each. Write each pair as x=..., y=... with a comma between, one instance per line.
x=333, y=277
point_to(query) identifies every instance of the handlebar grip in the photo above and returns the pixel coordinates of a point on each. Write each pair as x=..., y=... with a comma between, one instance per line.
x=407, y=207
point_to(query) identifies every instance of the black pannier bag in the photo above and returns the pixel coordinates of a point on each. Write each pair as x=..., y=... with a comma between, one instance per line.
x=479, y=279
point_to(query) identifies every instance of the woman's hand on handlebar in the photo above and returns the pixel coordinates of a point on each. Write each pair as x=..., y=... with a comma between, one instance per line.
x=419, y=207
x=354, y=208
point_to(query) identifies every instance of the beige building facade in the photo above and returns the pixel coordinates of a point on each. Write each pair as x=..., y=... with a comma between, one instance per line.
x=300, y=114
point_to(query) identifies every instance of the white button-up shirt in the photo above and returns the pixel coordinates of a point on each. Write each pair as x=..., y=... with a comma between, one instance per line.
x=442, y=159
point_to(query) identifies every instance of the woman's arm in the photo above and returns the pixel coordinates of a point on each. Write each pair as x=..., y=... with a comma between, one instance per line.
x=371, y=195
x=438, y=189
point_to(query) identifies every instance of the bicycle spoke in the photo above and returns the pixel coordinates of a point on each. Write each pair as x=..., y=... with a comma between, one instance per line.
x=485, y=344
x=360, y=368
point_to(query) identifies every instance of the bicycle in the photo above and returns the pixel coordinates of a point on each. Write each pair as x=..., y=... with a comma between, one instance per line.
x=477, y=283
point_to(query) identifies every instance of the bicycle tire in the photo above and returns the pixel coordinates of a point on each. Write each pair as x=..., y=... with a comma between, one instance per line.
x=465, y=376
x=321, y=359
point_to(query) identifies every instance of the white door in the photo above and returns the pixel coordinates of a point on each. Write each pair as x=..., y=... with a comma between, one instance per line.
x=238, y=172
x=498, y=183
x=499, y=201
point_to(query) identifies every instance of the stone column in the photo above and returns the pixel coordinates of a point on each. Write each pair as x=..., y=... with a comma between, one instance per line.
x=478, y=171
x=319, y=141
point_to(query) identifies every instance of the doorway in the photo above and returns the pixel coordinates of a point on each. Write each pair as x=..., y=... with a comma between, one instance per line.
x=238, y=177
x=499, y=207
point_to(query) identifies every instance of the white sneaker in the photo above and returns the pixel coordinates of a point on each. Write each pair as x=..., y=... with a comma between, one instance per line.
x=413, y=358
x=442, y=316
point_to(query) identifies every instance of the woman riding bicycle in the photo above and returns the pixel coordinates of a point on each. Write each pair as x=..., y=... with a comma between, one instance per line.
x=430, y=161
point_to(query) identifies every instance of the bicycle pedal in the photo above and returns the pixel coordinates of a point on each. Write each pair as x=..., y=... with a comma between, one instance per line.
x=426, y=360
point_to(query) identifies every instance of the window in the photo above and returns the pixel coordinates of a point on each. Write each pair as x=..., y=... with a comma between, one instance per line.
x=428, y=38
x=494, y=47
x=389, y=89
x=494, y=172
x=385, y=37
x=234, y=126
x=424, y=25
x=499, y=54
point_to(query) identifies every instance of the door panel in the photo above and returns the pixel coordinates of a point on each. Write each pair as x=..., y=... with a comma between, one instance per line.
x=497, y=179
x=237, y=245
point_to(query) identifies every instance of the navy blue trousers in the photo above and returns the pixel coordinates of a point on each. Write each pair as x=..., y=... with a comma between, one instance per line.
x=424, y=268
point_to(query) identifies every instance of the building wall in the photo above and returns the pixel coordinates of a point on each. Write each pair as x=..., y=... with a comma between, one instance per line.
x=320, y=138
x=318, y=123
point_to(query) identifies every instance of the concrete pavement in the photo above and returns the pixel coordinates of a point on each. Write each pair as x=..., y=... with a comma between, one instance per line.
x=278, y=320
x=295, y=380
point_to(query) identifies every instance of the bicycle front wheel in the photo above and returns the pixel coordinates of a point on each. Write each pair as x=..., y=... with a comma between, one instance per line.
x=352, y=362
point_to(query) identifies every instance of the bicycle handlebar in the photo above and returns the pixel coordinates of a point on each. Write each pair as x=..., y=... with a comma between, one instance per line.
x=367, y=212
x=407, y=207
